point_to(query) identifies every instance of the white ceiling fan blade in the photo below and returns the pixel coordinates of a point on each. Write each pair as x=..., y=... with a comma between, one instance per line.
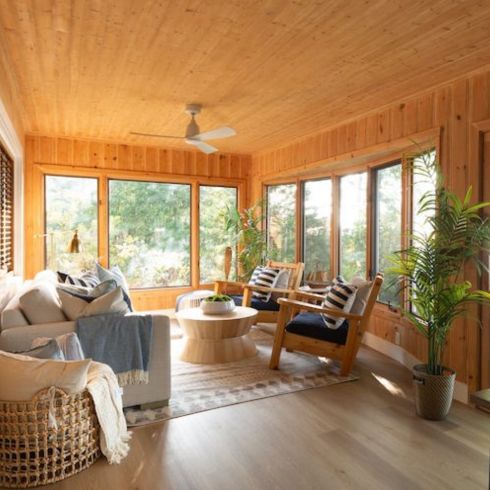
x=157, y=135
x=204, y=147
x=224, y=132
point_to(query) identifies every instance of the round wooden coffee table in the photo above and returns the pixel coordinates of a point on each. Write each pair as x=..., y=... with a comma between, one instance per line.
x=213, y=339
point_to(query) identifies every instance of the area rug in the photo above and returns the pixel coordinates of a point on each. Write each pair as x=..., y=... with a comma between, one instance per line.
x=200, y=387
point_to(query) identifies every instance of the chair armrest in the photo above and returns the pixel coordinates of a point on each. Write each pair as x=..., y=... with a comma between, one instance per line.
x=306, y=295
x=265, y=289
x=219, y=286
x=301, y=305
x=230, y=283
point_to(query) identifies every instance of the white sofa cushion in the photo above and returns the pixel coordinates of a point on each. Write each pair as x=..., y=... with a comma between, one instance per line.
x=41, y=304
x=74, y=307
x=21, y=377
x=12, y=316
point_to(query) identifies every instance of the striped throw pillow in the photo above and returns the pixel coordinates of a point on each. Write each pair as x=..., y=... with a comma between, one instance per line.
x=87, y=279
x=340, y=297
x=255, y=274
x=267, y=277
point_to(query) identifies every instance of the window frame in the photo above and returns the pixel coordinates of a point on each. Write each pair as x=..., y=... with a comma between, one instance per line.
x=335, y=174
x=148, y=296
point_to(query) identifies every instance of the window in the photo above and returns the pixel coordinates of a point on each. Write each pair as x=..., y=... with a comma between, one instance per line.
x=149, y=232
x=317, y=210
x=388, y=226
x=353, y=225
x=6, y=211
x=71, y=205
x=213, y=238
x=281, y=222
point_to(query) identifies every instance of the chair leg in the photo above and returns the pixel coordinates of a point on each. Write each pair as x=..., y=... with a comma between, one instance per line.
x=278, y=338
x=346, y=367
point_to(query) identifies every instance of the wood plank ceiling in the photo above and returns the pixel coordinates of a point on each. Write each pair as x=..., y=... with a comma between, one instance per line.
x=275, y=70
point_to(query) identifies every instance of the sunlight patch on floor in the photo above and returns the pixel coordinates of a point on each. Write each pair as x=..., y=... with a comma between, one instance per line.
x=393, y=388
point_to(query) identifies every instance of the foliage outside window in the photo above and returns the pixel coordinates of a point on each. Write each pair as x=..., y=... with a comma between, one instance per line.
x=388, y=227
x=70, y=204
x=317, y=210
x=214, y=202
x=281, y=222
x=149, y=232
x=353, y=225
x=422, y=183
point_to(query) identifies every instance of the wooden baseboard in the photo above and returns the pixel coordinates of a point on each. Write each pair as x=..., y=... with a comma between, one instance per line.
x=399, y=354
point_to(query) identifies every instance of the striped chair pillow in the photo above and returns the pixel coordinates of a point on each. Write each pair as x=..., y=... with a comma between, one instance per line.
x=87, y=279
x=255, y=274
x=340, y=297
x=267, y=277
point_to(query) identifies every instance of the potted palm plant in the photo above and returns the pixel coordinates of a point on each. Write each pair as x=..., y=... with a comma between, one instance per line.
x=431, y=269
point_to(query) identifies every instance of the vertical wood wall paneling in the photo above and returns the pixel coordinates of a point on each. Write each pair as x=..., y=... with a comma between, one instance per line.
x=105, y=160
x=449, y=109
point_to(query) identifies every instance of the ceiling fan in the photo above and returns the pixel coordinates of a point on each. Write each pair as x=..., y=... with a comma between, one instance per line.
x=193, y=135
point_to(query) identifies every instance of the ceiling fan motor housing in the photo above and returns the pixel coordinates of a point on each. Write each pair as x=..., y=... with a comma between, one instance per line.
x=192, y=127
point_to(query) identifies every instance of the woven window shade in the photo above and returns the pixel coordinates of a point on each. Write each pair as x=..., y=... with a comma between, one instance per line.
x=6, y=210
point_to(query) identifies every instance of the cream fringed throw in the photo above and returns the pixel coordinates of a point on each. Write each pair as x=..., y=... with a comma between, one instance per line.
x=114, y=436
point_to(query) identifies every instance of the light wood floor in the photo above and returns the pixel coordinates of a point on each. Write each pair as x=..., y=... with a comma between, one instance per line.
x=347, y=436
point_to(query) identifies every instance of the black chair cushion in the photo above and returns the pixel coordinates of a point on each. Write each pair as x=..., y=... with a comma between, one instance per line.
x=312, y=325
x=270, y=305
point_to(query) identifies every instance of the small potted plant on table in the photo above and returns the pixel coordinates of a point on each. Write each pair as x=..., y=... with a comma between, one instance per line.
x=217, y=304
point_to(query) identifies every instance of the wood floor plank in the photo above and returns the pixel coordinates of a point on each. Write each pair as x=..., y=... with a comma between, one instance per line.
x=362, y=434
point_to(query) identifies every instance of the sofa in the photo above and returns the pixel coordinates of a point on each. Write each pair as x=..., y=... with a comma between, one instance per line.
x=15, y=338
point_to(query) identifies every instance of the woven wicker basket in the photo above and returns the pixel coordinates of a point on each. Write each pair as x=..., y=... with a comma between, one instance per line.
x=34, y=452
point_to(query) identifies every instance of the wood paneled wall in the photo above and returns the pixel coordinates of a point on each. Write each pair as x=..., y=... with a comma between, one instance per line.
x=71, y=156
x=447, y=114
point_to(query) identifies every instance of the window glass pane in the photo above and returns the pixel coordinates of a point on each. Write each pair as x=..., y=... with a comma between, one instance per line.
x=281, y=222
x=70, y=204
x=317, y=210
x=421, y=185
x=213, y=203
x=353, y=225
x=388, y=226
x=149, y=232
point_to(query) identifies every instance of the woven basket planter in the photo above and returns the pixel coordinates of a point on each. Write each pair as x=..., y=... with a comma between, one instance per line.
x=34, y=450
x=433, y=393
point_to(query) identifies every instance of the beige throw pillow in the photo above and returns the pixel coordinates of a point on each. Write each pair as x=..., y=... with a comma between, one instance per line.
x=41, y=304
x=21, y=377
x=363, y=290
x=112, y=302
